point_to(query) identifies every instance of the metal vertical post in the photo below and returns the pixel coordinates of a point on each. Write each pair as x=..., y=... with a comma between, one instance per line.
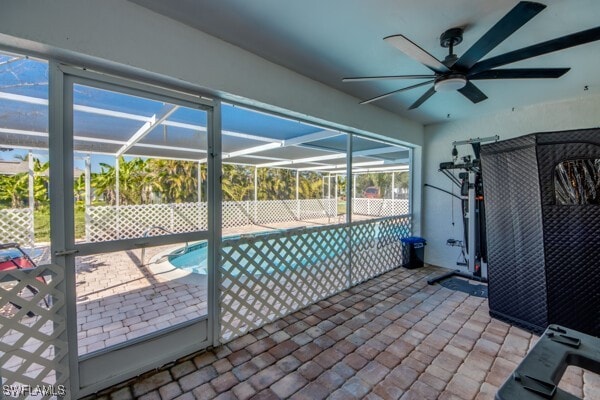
x=298, y=194
x=88, y=196
x=88, y=186
x=353, y=188
x=31, y=181
x=471, y=227
x=199, y=195
x=215, y=208
x=60, y=149
x=255, y=195
x=349, y=194
x=118, y=196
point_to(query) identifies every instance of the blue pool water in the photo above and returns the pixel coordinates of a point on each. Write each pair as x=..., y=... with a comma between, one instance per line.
x=193, y=258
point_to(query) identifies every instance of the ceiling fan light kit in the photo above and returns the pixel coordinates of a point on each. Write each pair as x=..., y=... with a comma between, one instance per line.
x=457, y=73
x=450, y=83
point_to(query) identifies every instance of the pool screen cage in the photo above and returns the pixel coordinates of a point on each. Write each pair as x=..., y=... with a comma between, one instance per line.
x=284, y=171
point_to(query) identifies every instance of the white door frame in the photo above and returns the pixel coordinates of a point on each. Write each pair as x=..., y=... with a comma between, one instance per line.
x=95, y=371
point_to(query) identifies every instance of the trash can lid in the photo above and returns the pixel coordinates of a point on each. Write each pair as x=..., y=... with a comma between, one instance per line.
x=413, y=239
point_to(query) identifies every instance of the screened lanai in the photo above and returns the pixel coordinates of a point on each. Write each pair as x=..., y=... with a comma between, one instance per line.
x=142, y=219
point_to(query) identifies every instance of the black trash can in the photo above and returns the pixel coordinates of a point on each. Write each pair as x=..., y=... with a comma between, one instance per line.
x=413, y=252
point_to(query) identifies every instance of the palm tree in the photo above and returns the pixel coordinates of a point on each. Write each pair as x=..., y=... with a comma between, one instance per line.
x=237, y=183
x=14, y=189
x=176, y=180
x=40, y=182
x=104, y=183
x=310, y=185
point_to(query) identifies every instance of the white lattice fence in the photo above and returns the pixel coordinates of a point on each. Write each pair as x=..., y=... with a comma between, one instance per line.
x=33, y=346
x=267, y=276
x=237, y=213
x=376, y=247
x=317, y=208
x=16, y=226
x=125, y=222
x=380, y=207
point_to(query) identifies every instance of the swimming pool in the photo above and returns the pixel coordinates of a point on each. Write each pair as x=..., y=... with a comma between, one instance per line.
x=281, y=253
x=191, y=258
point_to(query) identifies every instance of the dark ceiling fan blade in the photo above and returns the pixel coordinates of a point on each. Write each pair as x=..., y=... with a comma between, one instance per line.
x=415, y=52
x=396, y=91
x=422, y=99
x=564, y=42
x=383, y=78
x=472, y=93
x=520, y=73
x=516, y=18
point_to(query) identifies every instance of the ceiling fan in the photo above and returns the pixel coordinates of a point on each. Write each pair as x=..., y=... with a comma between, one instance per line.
x=457, y=73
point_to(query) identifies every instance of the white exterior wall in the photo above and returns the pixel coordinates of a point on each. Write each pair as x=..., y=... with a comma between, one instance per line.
x=437, y=222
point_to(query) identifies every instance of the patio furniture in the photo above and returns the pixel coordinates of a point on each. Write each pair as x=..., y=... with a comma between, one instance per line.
x=18, y=259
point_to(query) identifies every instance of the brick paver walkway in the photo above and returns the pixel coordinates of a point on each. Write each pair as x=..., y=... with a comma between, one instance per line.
x=393, y=337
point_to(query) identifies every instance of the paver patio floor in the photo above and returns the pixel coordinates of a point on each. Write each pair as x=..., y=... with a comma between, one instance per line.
x=392, y=337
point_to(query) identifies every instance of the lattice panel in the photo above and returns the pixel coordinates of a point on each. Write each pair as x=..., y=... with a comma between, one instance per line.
x=317, y=208
x=276, y=211
x=265, y=277
x=33, y=348
x=111, y=223
x=16, y=226
x=380, y=207
x=376, y=246
x=237, y=213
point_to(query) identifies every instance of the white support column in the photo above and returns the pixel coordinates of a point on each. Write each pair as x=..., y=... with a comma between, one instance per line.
x=329, y=195
x=393, y=196
x=298, y=194
x=393, y=184
x=117, y=196
x=336, y=194
x=255, y=194
x=117, y=183
x=199, y=182
x=31, y=180
x=88, y=186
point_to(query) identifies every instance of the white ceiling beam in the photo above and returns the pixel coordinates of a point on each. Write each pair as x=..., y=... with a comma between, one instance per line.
x=311, y=137
x=134, y=117
x=148, y=127
x=250, y=150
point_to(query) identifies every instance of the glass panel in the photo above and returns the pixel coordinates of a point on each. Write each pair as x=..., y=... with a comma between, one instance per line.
x=577, y=182
x=140, y=171
x=279, y=174
x=380, y=173
x=128, y=294
x=24, y=168
x=140, y=166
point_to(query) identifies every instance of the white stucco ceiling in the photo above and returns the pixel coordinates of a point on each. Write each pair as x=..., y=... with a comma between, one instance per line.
x=327, y=40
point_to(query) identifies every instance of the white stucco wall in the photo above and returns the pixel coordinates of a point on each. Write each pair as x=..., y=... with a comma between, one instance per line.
x=437, y=206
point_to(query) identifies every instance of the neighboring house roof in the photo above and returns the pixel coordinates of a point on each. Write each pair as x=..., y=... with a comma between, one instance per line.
x=18, y=167
x=13, y=167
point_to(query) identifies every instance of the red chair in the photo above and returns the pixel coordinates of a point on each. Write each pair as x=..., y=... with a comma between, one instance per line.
x=18, y=259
